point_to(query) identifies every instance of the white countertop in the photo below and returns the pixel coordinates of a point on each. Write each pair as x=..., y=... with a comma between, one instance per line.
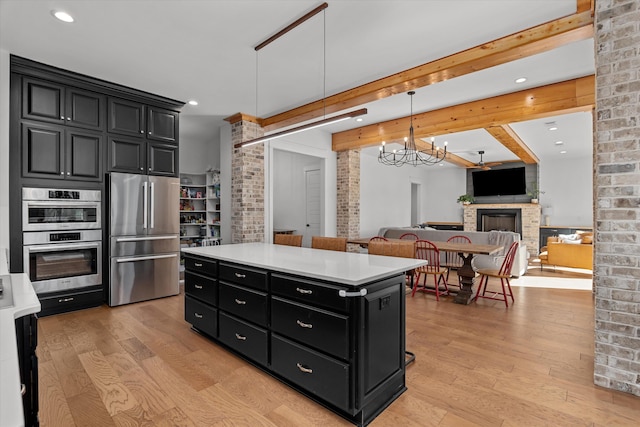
x=25, y=301
x=346, y=268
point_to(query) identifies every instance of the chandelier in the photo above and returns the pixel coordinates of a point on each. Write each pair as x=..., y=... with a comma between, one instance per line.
x=410, y=155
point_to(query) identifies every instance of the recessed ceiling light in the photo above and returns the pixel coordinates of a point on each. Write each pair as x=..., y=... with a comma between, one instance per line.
x=63, y=16
x=193, y=102
x=559, y=142
x=563, y=152
x=359, y=119
x=553, y=128
x=521, y=80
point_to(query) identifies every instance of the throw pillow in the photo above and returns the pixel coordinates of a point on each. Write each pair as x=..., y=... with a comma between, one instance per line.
x=572, y=242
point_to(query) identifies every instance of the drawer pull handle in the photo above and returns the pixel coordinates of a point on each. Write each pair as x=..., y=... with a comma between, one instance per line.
x=240, y=276
x=240, y=302
x=304, y=291
x=303, y=369
x=198, y=315
x=197, y=264
x=23, y=389
x=197, y=286
x=304, y=325
x=241, y=337
x=65, y=299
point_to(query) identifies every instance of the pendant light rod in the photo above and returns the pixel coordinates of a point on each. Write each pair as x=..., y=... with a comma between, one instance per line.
x=308, y=126
x=293, y=25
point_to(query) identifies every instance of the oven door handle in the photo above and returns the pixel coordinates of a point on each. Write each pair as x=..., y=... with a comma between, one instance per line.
x=59, y=247
x=142, y=239
x=145, y=258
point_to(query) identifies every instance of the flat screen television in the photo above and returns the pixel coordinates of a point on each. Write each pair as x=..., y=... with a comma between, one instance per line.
x=499, y=182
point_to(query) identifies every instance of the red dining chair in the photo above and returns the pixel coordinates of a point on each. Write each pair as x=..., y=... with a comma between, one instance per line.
x=409, y=236
x=428, y=251
x=503, y=273
x=451, y=259
x=378, y=239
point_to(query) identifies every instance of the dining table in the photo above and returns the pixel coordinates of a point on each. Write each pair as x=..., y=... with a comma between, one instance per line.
x=466, y=251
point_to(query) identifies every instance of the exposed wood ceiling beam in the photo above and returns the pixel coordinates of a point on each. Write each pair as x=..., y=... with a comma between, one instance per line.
x=541, y=38
x=545, y=101
x=507, y=137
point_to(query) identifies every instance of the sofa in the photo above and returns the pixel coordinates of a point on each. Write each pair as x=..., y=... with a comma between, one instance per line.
x=575, y=251
x=504, y=238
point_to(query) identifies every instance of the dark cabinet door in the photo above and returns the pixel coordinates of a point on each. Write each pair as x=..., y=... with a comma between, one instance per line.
x=126, y=154
x=84, y=109
x=42, y=150
x=162, y=125
x=42, y=101
x=83, y=155
x=162, y=159
x=126, y=117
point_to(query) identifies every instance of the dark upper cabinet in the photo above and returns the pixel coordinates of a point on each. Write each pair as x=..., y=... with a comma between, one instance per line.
x=127, y=154
x=58, y=152
x=126, y=117
x=162, y=159
x=56, y=103
x=162, y=125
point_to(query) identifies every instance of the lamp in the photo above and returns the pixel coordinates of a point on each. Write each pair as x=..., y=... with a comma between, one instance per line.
x=547, y=211
x=410, y=155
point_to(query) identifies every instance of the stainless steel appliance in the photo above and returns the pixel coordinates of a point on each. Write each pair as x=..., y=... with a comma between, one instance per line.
x=144, y=241
x=55, y=209
x=60, y=260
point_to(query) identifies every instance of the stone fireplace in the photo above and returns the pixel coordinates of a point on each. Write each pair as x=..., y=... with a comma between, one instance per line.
x=502, y=216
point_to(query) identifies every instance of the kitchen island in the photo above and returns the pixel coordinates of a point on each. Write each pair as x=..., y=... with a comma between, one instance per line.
x=18, y=362
x=329, y=324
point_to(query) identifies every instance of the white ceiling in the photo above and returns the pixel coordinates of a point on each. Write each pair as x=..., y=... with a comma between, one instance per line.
x=204, y=50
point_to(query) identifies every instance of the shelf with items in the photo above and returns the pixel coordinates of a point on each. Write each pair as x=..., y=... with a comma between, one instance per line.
x=213, y=205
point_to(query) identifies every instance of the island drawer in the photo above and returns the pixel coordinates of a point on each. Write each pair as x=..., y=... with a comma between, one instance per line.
x=245, y=276
x=321, y=375
x=200, y=287
x=201, y=316
x=245, y=303
x=317, y=328
x=201, y=266
x=248, y=340
x=309, y=292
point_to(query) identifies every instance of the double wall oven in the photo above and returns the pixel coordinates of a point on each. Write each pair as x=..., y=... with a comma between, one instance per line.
x=62, y=238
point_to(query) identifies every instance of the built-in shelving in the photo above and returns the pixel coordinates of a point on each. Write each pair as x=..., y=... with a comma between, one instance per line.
x=213, y=206
x=193, y=208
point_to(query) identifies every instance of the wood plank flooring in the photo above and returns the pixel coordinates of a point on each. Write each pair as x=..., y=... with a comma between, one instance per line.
x=477, y=365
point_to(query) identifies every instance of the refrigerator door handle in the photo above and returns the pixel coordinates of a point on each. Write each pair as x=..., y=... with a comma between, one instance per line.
x=145, y=205
x=145, y=258
x=152, y=204
x=142, y=239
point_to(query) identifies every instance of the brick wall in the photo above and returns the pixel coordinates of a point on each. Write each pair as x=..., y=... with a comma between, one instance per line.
x=348, y=195
x=617, y=185
x=247, y=184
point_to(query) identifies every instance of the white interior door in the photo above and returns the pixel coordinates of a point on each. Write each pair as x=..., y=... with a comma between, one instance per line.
x=313, y=203
x=415, y=203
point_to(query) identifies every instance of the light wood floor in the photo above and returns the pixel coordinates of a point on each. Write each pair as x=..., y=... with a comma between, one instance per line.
x=477, y=365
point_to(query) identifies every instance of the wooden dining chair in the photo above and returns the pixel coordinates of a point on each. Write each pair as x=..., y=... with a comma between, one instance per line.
x=429, y=252
x=378, y=239
x=288, y=239
x=409, y=236
x=503, y=273
x=329, y=243
x=452, y=260
x=405, y=249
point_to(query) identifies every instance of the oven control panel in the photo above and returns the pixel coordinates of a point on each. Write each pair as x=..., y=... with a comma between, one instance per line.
x=64, y=194
x=63, y=237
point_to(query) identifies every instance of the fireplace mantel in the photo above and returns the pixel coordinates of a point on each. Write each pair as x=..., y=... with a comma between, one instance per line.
x=530, y=215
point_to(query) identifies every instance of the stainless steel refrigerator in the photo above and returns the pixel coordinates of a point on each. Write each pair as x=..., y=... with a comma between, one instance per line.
x=144, y=239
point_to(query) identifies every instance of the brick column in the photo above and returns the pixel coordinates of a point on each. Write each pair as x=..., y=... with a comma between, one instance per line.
x=348, y=197
x=247, y=183
x=617, y=185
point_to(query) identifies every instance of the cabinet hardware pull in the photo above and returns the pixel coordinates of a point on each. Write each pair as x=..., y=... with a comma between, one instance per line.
x=141, y=131
x=61, y=117
x=345, y=294
x=197, y=286
x=23, y=389
x=68, y=173
x=68, y=118
x=303, y=369
x=240, y=302
x=197, y=264
x=304, y=291
x=241, y=276
x=241, y=337
x=65, y=299
x=61, y=173
x=304, y=325
x=198, y=315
